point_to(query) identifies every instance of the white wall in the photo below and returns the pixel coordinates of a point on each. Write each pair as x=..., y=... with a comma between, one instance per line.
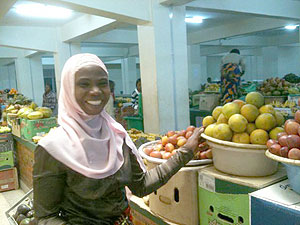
x=288, y=60
x=213, y=67
x=4, y=78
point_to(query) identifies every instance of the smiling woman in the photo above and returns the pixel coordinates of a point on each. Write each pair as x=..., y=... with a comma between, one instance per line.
x=91, y=89
x=82, y=167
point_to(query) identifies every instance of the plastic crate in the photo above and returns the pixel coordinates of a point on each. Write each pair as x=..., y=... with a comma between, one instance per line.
x=24, y=200
x=270, y=99
x=6, y=151
x=134, y=122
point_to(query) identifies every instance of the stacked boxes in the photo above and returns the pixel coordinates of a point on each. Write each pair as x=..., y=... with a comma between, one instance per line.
x=8, y=173
x=224, y=199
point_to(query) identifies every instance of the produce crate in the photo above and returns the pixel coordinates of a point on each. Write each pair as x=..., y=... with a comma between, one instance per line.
x=285, y=111
x=294, y=98
x=134, y=122
x=29, y=128
x=209, y=101
x=223, y=198
x=276, y=205
x=6, y=151
x=270, y=99
x=24, y=200
x=9, y=179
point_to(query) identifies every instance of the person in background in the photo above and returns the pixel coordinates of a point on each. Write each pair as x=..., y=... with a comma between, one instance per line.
x=110, y=109
x=232, y=68
x=82, y=167
x=135, y=94
x=49, y=98
x=209, y=80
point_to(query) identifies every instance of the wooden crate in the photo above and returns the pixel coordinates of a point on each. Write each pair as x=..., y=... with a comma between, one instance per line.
x=9, y=179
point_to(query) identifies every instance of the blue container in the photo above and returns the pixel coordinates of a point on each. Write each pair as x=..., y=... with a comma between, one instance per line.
x=293, y=173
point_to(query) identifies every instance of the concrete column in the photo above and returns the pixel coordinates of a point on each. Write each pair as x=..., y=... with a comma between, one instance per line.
x=12, y=75
x=270, y=62
x=24, y=77
x=38, y=78
x=64, y=51
x=195, y=68
x=203, y=62
x=129, y=74
x=164, y=72
x=4, y=78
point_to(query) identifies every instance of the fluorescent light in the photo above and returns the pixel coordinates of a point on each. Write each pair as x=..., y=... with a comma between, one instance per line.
x=43, y=11
x=194, y=19
x=291, y=27
x=171, y=15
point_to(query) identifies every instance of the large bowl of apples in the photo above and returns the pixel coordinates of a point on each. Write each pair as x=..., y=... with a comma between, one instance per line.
x=161, y=150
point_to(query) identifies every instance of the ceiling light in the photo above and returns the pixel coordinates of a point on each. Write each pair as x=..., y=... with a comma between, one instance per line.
x=194, y=19
x=291, y=27
x=43, y=11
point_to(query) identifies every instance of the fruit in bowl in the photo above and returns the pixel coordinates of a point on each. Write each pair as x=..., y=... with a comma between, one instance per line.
x=167, y=146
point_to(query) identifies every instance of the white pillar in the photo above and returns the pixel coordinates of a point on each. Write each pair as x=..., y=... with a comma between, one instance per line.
x=195, y=69
x=164, y=72
x=4, y=78
x=64, y=51
x=12, y=75
x=38, y=78
x=270, y=62
x=24, y=77
x=129, y=74
x=203, y=62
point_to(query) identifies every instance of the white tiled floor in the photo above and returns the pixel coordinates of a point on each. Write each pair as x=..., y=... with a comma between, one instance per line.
x=7, y=200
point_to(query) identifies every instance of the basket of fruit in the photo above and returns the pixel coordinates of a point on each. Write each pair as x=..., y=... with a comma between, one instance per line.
x=157, y=152
x=285, y=148
x=22, y=212
x=238, y=132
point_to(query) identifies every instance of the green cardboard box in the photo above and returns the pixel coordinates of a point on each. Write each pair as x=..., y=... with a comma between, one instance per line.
x=223, y=198
x=6, y=160
x=29, y=128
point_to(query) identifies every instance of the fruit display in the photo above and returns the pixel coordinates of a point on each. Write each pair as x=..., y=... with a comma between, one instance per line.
x=31, y=111
x=249, y=122
x=4, y=129
x=139, y=138
x=212, y=88
x=286, y=142
x=292, y=78
x=167, y=146
x=275, y=87
x=13, y=91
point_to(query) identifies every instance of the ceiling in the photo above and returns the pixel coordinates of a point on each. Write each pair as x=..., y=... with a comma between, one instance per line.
x=211, y=19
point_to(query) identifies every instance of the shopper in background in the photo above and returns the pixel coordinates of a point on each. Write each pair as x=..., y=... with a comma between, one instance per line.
x=49, y=98
x=109, y=108
x=135, y=94
x=82, y=167
x=232, y=68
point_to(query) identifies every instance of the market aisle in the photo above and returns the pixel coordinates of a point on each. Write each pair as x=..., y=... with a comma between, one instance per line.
x=7, y=199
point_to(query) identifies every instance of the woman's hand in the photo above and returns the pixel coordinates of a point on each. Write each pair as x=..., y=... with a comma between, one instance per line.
x=195, y=142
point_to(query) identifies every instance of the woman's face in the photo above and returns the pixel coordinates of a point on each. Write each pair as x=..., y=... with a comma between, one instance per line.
x=91, y=89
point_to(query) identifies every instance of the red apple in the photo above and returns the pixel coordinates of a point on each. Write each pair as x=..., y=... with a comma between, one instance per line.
x=164, y=140
x=169, y=147
x=156, y=154
x=181, y=142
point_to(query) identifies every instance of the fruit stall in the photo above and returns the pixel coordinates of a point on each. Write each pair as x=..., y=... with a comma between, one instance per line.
x=249, y=151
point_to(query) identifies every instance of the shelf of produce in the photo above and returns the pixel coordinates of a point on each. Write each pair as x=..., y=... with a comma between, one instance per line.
x=25, y=159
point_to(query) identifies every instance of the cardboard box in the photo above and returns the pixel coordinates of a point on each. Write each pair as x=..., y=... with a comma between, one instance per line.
x=29, y=128
x=141, y=214
x=16, y=127
x=223, y=198
x=177, y=201
x=209, y=101
x=275, y=205
x=9, y=179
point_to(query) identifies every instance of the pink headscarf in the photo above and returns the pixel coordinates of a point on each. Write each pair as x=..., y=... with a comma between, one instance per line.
x=88, y=144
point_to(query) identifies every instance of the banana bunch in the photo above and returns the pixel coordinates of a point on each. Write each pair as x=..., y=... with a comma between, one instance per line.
x=212, y=88
x=137, y=134
x=277, y=104
x=4, y=129
x=289, y=104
